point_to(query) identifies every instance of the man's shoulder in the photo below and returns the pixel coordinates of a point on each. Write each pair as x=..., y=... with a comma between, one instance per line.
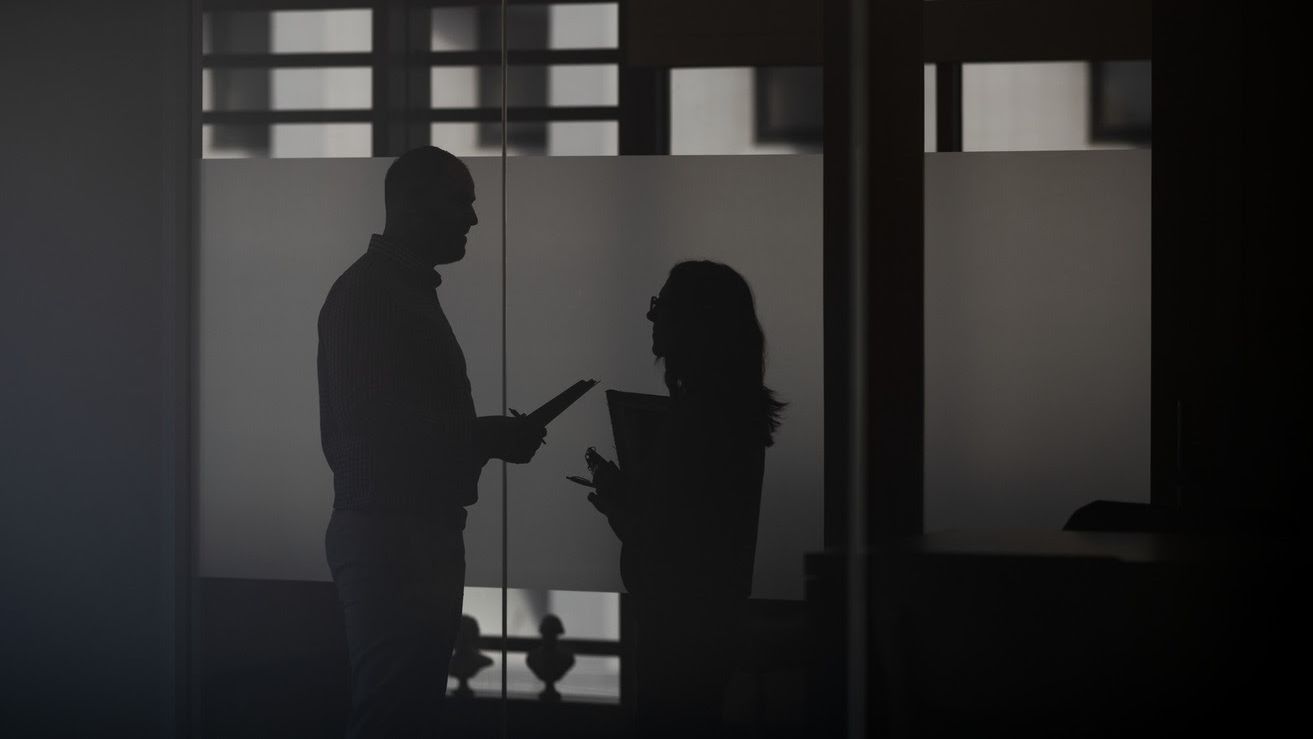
x=357, y=287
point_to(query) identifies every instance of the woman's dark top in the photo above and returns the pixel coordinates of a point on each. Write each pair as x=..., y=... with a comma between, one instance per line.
x=691, y=529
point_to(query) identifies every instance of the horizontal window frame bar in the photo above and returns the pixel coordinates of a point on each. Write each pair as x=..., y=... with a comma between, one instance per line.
x=523, y=57
x=1007, y=31
x=326, y=59
x=437, y=115
x=484, y=58
x=224, y=6
x=271, y=117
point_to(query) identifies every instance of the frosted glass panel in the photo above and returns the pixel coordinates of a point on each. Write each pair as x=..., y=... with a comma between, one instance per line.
x=1037, y=293
x=590, y=240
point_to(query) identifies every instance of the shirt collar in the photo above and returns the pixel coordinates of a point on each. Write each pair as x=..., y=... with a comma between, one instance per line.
x=406, y=259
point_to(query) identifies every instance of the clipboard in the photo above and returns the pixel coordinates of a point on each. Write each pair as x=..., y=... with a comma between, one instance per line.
x=548, y=411
x=638, y=427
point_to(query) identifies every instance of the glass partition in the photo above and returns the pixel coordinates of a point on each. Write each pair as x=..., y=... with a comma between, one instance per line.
x=608, y=175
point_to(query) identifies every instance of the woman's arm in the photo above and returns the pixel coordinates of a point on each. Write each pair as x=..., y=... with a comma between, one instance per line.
x=610, y=494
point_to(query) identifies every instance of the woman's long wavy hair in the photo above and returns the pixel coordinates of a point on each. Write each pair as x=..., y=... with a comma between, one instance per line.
x=715, y=349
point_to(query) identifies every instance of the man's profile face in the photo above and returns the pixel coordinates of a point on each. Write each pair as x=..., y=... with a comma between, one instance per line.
x=446, y=212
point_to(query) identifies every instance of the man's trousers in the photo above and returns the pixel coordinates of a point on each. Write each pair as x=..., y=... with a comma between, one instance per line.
x=400, y=580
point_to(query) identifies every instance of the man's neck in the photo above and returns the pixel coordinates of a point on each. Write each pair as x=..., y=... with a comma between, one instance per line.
x=409, y=241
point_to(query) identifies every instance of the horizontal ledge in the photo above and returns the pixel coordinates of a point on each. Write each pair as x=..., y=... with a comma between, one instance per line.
x=585, y=647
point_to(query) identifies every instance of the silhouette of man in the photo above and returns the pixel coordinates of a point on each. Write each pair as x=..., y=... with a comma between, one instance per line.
x=399, y=431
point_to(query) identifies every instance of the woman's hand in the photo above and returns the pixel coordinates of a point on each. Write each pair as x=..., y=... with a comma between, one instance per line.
x=608, y=483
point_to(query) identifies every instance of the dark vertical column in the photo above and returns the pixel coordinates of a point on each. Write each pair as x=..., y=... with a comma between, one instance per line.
x=894, y=267
x=948, y=106
x=873, y=275
x=402, y=31
x=182, y=234
x=827, y=583
x=644, y=110
x=837, y=295
x=1197, y=242
x=644, y=101
x=1225, y=390
x=93, y=220
x=894, y=332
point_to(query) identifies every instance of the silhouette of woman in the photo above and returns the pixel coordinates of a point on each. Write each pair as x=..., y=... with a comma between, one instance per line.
x=689, y=532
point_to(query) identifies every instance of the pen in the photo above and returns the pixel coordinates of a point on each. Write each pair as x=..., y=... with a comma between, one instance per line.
x=580, y=481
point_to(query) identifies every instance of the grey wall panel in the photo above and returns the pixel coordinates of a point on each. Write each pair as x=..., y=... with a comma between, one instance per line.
x=1037, y=335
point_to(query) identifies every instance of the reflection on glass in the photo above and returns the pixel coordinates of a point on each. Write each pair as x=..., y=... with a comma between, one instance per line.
x=583, y=138
x=592, y=679
x=581, y=84
x=455, y=29
x=458, y=87
x=307, y=31
x=583, y=615
x=1121, y=100
x=931, y=106
x=329, y=88
x=1053, y=106
x=745, y=110
x=286, y=140
x=556, y=138
x=558, y=26
x=531, y=86
x=287, y=31
x=584, y=26
x=586, y=615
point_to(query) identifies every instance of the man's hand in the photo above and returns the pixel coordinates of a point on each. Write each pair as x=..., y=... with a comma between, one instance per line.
x=515, y=439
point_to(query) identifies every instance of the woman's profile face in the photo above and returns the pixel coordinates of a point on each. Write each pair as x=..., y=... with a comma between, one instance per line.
x=660, y=317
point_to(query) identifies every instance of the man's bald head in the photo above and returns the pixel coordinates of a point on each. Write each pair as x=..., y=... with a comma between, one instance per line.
x=418, y=172
x=429, y=196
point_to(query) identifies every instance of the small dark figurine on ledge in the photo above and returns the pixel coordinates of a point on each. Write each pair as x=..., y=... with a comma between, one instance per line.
x=466, y=660
x=550, y=660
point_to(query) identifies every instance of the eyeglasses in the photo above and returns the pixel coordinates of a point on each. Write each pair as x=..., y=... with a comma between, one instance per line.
x=653, y=303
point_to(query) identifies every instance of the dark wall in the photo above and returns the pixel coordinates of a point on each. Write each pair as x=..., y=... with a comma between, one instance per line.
x=93, y=201
x=1229, y=308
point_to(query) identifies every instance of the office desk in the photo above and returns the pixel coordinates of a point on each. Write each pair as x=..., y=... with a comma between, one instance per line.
x=1089, y=634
